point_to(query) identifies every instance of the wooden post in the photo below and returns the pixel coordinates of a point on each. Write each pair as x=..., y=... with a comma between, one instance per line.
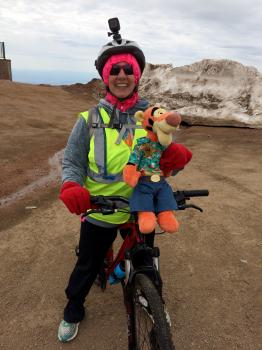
x=5, y=64
x=5, y=70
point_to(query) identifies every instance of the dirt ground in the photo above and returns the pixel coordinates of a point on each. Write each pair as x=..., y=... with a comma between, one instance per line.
x=211, y=269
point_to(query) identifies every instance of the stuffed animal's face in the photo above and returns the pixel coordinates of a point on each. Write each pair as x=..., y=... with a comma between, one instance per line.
x=159, y=123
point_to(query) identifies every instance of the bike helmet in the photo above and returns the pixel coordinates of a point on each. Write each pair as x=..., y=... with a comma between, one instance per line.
x=118, y=46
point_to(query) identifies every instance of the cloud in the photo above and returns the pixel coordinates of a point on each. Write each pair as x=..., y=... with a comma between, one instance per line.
x=66, y=35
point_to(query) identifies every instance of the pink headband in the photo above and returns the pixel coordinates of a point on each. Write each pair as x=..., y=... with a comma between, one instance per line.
x=123, y=57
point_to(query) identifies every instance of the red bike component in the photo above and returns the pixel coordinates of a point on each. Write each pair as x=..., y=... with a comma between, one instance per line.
x=128, y=243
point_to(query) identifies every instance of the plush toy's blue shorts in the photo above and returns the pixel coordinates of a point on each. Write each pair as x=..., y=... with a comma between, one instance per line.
x=152, y=196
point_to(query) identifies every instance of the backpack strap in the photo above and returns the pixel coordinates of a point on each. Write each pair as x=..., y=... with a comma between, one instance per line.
x=95, y=121
x=91, y=117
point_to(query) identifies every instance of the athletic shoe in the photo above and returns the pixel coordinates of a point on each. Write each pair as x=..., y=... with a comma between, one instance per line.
x=67, y=331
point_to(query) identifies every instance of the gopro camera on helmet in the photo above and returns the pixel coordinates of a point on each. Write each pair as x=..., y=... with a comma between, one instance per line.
x=118, y=46
x=114, y=26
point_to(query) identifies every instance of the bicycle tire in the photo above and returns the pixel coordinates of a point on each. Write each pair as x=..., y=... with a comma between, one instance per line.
x=149, y=309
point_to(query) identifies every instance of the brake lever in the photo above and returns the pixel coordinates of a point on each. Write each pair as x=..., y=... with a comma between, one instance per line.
x=104, y=211
x=185, y=206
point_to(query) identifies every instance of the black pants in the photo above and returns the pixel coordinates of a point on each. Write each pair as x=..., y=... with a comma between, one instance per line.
x=93, y=246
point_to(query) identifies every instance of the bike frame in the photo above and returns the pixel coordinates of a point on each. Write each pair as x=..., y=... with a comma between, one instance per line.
x=129, y=241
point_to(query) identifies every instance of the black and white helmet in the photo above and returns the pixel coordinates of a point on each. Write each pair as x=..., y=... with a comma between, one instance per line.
x=117, y=47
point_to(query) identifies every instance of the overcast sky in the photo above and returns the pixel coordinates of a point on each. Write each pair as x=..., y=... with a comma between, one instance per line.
x=64, y=37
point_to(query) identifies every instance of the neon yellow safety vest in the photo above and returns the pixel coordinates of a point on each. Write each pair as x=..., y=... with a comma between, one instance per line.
x=106, y=161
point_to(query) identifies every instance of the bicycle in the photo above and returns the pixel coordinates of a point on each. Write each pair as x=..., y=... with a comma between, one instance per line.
x=148, y=321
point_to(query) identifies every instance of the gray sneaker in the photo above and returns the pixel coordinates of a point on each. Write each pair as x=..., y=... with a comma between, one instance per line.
x=67, y=331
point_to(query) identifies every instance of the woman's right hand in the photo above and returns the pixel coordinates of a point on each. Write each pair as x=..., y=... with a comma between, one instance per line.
x=75, y=197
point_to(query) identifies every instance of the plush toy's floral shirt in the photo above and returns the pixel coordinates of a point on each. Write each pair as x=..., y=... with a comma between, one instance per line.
x=146, y=155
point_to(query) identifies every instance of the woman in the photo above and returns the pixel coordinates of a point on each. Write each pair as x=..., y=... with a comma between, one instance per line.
x=93, y=163
x=97, y=151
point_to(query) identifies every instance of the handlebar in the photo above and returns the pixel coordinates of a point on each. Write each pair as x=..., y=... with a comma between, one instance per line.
x=182, y=196
x=191, y=193
x=110, y=204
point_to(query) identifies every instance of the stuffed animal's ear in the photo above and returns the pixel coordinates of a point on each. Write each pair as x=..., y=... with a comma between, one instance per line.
x=139, y=115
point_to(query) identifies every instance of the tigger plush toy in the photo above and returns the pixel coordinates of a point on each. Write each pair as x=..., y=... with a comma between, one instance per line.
x=153, y=159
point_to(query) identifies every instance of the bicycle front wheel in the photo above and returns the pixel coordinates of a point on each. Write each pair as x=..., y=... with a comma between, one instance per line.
x=151, y=326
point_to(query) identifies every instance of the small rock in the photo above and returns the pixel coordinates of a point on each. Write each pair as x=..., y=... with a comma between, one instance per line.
x=243, y=261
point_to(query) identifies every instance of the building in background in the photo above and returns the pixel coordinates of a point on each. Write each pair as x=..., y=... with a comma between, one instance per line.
x=5, y=64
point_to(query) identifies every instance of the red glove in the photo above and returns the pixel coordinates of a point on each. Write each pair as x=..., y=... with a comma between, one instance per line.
x=75, y=197
x=175, y=157
x=131, y=175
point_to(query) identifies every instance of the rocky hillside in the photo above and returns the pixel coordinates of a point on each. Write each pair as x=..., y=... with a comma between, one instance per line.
x=93, y=89
x=209, y=92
